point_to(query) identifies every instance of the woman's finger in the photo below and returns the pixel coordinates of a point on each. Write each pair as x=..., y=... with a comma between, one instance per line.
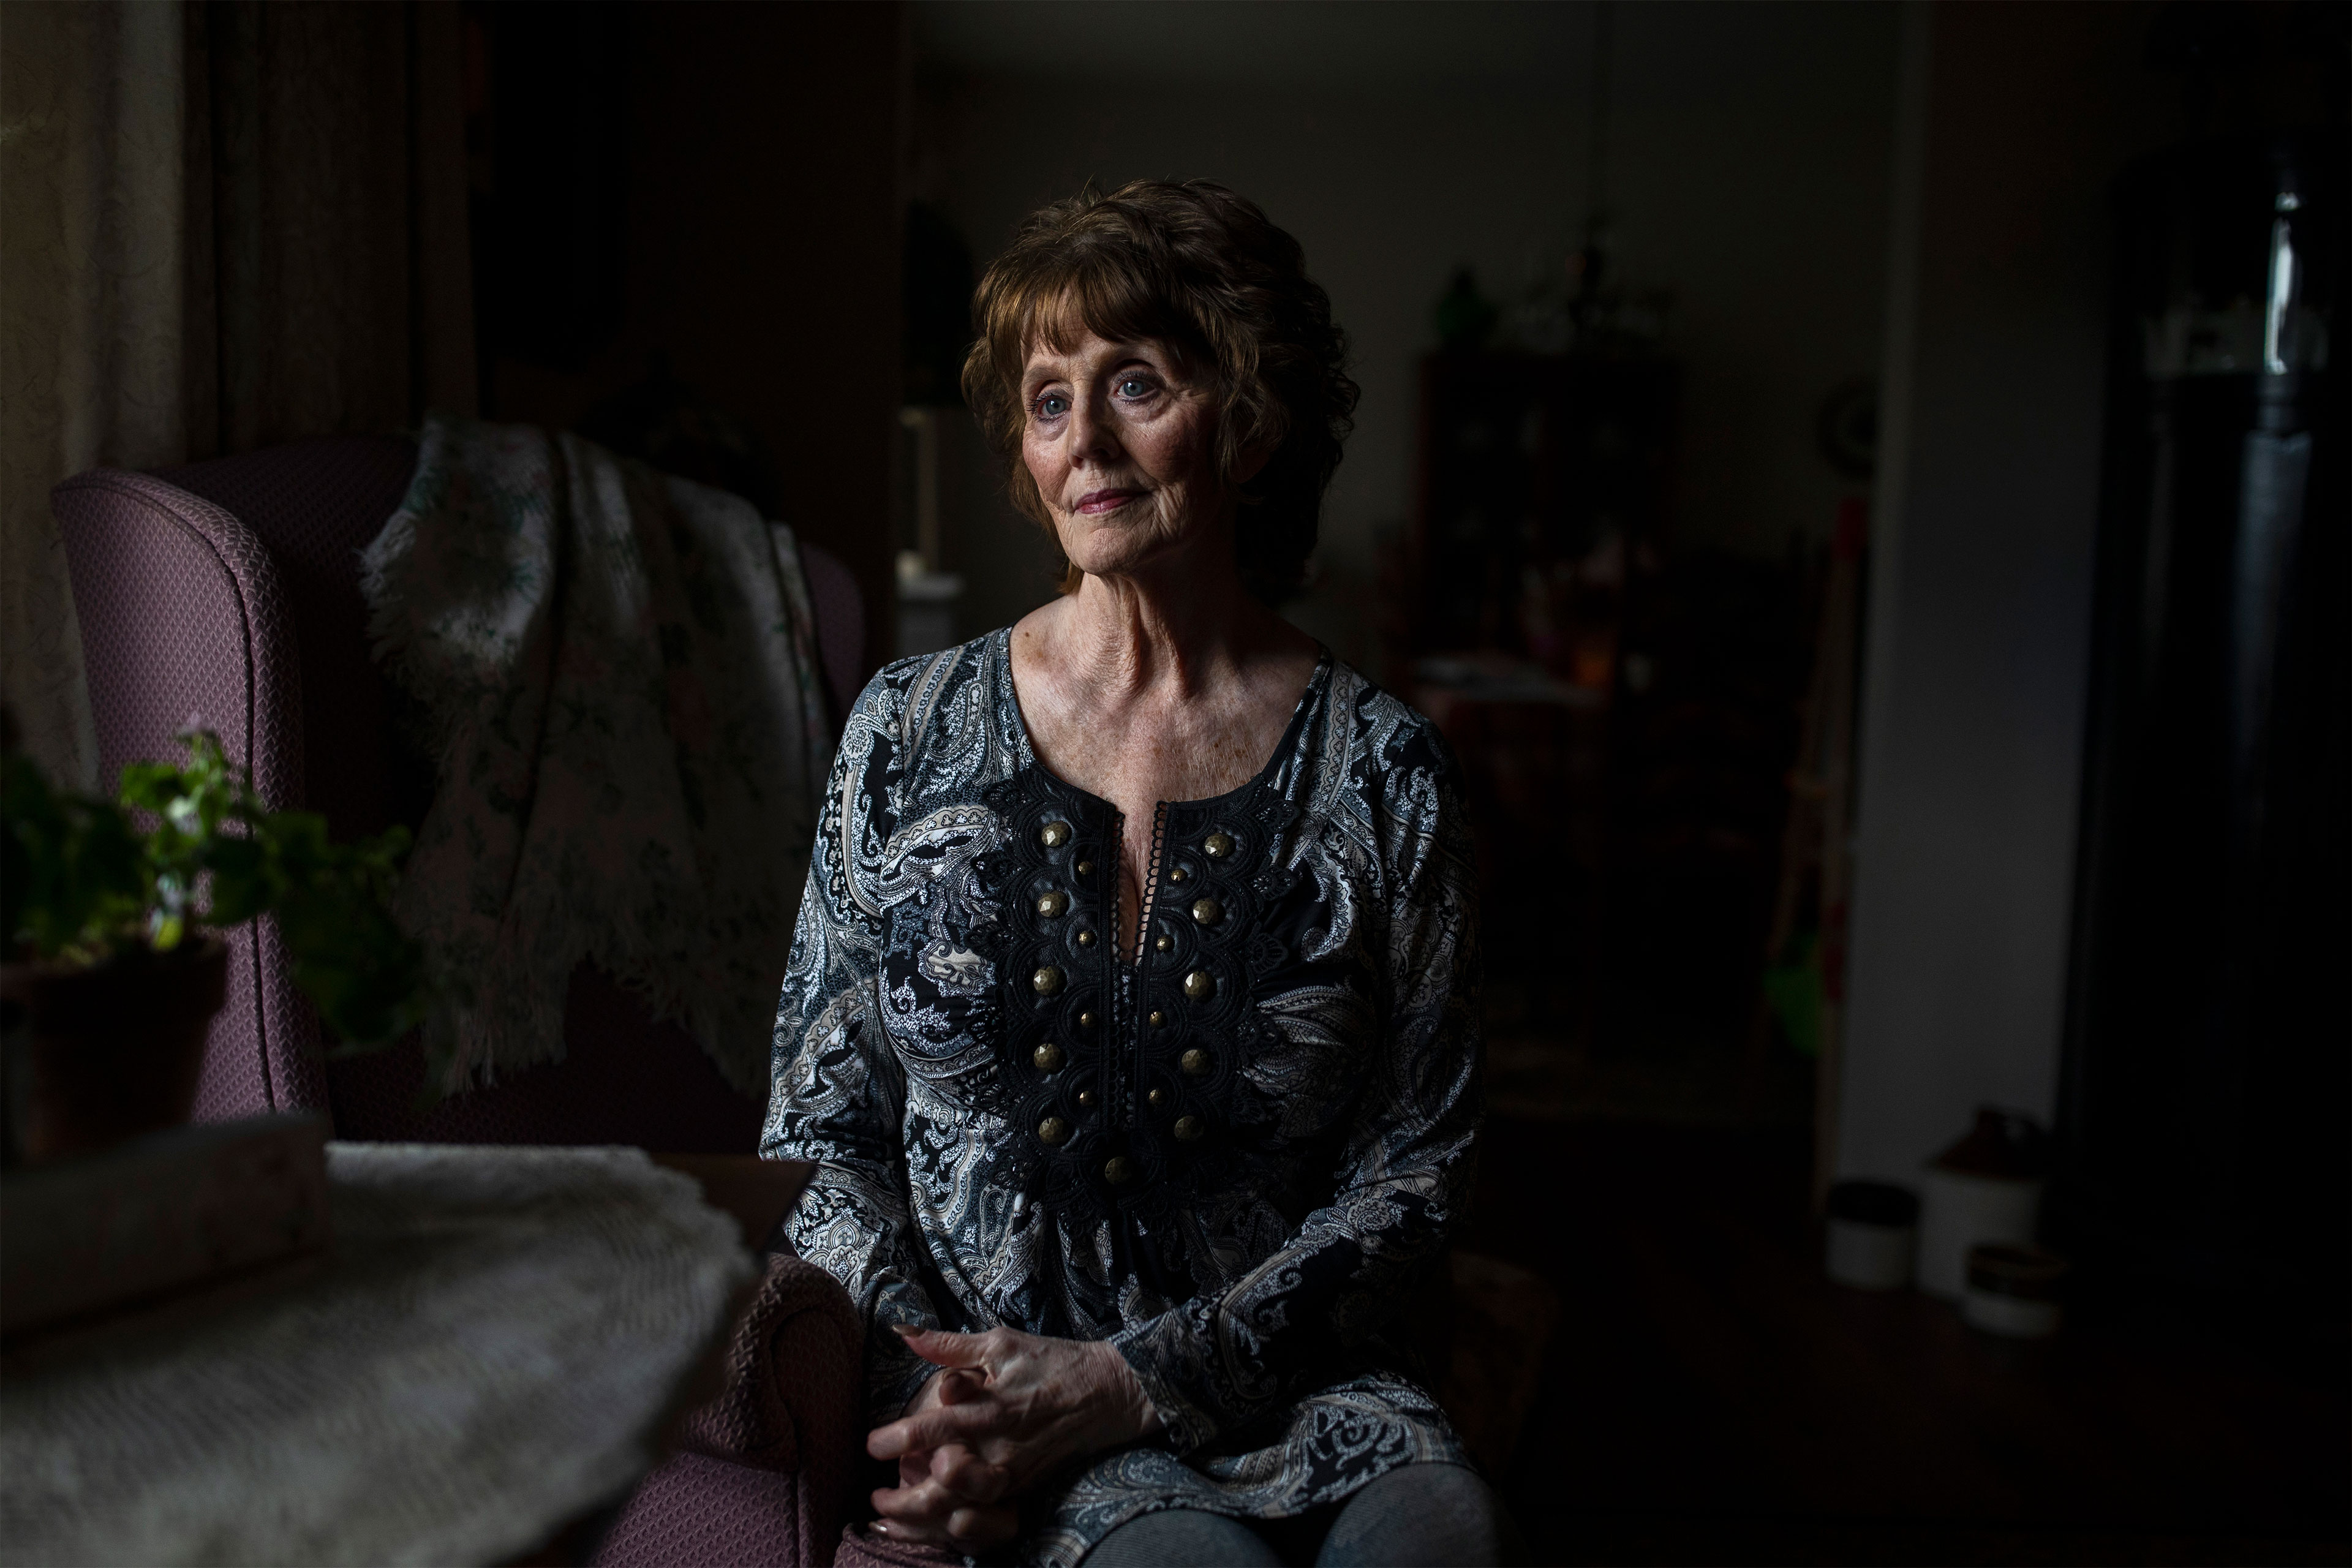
x=926, y=1503
x=933, y=1428
x=931, y=1515
x=942, y=1348
x=959, y=1385
x=985, y=1526
x=964, y=1530
x=957, y=1468
x=914, y=1533
x=967, y=1474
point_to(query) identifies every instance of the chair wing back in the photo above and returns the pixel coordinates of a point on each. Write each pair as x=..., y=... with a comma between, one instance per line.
x=183, y=622
x=840, y=627
x=203, y=590
x=314, y=506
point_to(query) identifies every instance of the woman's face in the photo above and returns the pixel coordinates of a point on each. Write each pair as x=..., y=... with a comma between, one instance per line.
x=1122, y=445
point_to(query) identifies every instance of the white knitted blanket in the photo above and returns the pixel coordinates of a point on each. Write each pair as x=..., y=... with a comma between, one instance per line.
x=487, y=1353
x=617, y=671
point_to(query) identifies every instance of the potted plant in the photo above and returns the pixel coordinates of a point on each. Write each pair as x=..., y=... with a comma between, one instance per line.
x=108, y=913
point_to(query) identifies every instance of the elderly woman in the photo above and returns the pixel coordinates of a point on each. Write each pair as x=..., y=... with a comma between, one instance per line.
x=1132, y=1019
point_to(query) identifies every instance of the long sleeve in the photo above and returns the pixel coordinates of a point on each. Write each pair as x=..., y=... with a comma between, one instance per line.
x=836, y=1094
x=1212, y=1363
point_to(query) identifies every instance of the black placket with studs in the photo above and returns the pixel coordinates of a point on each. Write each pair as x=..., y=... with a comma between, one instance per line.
x=1122, y=1064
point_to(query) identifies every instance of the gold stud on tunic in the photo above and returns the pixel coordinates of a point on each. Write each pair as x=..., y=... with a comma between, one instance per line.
x=1119, y=1170
x=1083, y=867
x=1049, y=1058
x=1217, y=845
x=1085, y=939
x=1053, y=835
x=1158, y=1017
x=1177, y=874
x=1162, y=943
x=1087, y=1022
x=1188, y=1128
x=1208, y=912
x=1053, y=905
x=1157, y=1097
x=1195, y=1062
x=1198, y=986
x=1086, y=1100
x=1046, y=981
x=1053, y=1131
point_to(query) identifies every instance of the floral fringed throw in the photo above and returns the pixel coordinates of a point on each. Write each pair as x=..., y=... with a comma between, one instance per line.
x=616, y=674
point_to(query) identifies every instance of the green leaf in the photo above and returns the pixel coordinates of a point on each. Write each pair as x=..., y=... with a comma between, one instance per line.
x=79, y=879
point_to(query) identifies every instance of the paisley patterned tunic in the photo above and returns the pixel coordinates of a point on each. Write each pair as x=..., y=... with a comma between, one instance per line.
x=1229, y=1158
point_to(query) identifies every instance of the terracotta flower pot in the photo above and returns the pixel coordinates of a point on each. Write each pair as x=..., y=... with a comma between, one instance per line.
x=111, y=1051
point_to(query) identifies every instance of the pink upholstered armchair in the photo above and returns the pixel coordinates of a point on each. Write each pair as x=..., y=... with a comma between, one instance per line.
x=227, y=594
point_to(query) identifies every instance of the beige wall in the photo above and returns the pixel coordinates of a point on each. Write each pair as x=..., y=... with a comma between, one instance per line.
x=763, y=211
x=1980, y=592
x=221, y=229
x=1748, y=163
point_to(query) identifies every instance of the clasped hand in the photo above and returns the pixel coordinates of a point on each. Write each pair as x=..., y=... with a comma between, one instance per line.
x=1006, y=1410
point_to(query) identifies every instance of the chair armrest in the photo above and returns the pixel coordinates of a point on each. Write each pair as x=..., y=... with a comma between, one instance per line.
x=768, y=1465
x=791, y=1401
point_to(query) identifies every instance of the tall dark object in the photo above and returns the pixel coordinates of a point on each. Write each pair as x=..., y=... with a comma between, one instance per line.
x=2203, y=1110
x=1542, y=507
x=551, y=230
x=1529, y=464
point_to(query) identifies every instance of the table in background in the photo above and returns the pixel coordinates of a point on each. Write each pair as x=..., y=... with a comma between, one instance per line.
x=490, y=1347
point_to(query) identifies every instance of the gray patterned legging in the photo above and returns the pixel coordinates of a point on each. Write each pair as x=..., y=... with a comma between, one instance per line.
x=1418, y=1516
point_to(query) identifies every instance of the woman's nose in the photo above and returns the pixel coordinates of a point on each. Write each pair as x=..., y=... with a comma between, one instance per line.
x=1091, y=437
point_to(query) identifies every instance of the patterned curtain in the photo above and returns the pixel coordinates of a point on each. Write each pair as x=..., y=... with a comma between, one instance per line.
x=222, y=226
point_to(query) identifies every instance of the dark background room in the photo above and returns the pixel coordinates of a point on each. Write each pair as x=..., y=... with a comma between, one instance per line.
x=1860, y=486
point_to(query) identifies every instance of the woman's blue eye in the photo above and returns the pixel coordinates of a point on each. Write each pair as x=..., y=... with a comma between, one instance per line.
x=1052, y=405
x=1133, y=386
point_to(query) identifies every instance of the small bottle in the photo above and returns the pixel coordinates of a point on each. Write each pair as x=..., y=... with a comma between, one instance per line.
x=1871, y=1234
x=1986, y=1188
x=2013, y=1291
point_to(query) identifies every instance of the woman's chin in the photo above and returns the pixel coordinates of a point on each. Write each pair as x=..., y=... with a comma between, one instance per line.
x=1114, y=548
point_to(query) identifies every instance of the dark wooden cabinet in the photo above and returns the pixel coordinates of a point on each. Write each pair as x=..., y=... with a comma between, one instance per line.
x=1624, y=713
x=1542, y=508
x=1543, y=478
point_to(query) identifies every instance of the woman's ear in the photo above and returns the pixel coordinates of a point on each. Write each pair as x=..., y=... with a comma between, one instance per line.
x=1251, y=461
x=1253, y=435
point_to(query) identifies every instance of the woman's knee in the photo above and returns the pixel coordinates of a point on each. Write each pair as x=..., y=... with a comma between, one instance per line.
x=1181, y=1538
x=1429, y=1515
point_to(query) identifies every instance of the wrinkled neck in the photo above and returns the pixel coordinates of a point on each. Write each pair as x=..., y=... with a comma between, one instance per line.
x=1174, y=628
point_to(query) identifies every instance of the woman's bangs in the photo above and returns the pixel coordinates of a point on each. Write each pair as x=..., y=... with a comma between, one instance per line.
x=1093, y=292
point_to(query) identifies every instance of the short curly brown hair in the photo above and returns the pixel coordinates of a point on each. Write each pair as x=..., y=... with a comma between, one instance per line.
x=1189, y=264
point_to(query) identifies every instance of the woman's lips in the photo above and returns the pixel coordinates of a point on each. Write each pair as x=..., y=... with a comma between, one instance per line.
x=1094, y=503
